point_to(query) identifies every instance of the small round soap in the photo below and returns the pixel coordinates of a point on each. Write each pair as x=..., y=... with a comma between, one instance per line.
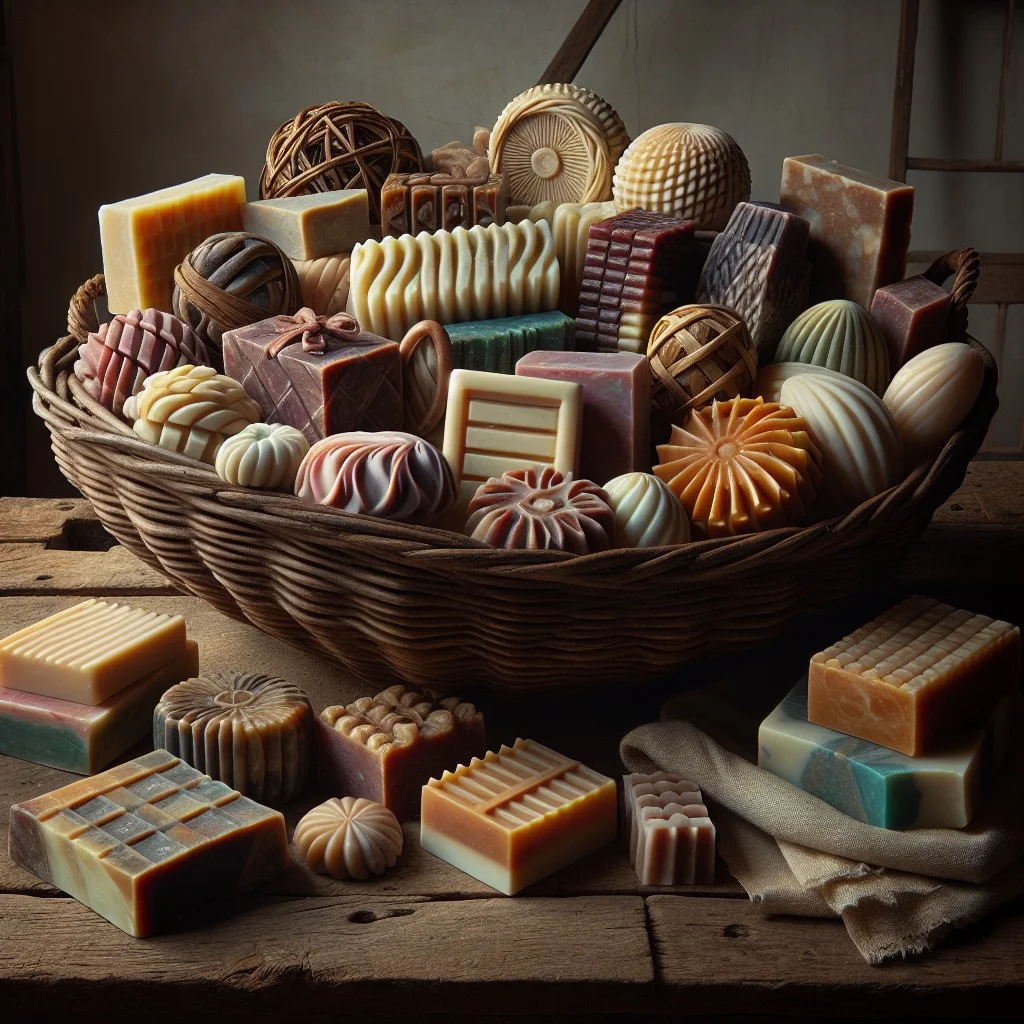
x=266, y=455
x=647, y=513
x=349, y=837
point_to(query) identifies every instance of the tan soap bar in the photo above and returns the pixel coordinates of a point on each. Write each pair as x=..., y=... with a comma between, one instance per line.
x=309, y=227
x=90, y=651
x=919, y=674
x=517, y=815
x=146, y=237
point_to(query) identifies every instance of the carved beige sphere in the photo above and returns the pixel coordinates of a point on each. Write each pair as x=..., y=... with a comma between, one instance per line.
x=349, y=837
x=647, y=513
x=266, y=455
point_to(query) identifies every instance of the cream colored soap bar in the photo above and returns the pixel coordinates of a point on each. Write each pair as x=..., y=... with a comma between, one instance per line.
x=309, y=227
x=145, y=238
x=90, y=651
x=570, y=226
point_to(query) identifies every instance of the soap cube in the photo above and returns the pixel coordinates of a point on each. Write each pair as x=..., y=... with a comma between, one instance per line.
x=517, y=815
x=146, y=842
x=85, y=738
x=90, y=651
x=497, y=345
x=880, y=786
x=434, y=200
x=309, y=227
x=386, y=748
x=915, y=677
x=145, y=238
x=616, y=432
x=913, y=315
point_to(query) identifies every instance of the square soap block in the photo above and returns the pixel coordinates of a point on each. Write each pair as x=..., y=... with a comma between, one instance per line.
x=146, y=842
x=518, y=815
x=309, y=227
x=495, y=346
x=914, y=315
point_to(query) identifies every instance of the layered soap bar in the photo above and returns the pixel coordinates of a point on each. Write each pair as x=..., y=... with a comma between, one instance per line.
x=497, y=345
x=147, y=842
x=880, y=786
x=312, y=226
x=386, y=748
x=517, y=815
x=915, y=677
x=145, y=238
x=860, y=226
x=913, y=315
x=434, y=201
x=90, y=651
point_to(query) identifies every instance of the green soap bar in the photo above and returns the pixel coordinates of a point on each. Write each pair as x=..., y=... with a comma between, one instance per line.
x=497, y=345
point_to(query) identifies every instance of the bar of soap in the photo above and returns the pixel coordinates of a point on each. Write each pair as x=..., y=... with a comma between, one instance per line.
x=324, y=283
x=312, y=226
x=497, y=345
x=914, y=677
x=518, y=815
x=880, y=786
x=386, y=748
x=913, y=315
x=148, y=842
x=497, y=423
x=146, y=237
x=616, y=431
x=860, y=226
x=86, y=738
x=90, y=651
x=435, y=201
x=632, y=275
x=651, y=786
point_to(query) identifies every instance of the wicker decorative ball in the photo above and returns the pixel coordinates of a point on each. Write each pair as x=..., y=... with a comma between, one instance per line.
x=698, y=354
x=231, y=280
x=338, y=145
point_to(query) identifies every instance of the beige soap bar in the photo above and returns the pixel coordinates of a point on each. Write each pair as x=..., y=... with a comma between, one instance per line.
x=308, y=227
x=570, y=226
x=146, y=237
x=90, y=651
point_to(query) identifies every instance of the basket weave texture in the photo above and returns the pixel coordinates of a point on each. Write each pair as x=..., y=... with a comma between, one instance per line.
x=393, y=602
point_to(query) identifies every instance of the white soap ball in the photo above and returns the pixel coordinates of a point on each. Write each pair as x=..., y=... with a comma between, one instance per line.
x=265, y=455
x=647, y=513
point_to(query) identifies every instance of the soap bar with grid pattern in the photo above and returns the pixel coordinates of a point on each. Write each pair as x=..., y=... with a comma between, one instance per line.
x=144, y=842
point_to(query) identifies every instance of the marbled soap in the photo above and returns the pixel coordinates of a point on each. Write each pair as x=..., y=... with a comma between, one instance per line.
x=497, y=345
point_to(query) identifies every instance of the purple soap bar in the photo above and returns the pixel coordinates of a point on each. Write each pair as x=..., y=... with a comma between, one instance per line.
x=913, y=315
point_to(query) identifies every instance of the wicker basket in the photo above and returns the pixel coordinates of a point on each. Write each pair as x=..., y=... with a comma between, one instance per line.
x=392, y=602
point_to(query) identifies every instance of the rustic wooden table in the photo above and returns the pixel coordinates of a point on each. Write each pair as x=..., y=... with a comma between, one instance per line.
x=428, y=940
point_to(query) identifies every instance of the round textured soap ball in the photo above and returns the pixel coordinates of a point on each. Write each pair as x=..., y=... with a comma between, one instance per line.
x=266, y=455
x=647, y=513
x=542, y=510
x=772, y=376
x=741, y=466
x=252, y=732
x=388, y=474
x=231, y=280
x=931, y=395
x=335, y=146
x=557, y=142
x=691, y=171
x=349, y=837
x=116, y=359
x=839, y=335
x=698, y=354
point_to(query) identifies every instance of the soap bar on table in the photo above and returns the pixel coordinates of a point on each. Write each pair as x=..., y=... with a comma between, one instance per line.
x=518, y=815
x=311, y=226
x=913, y=315
x=145, y=238
x=497, y=345
x=386, y=748
x=915, y=677
x=434, y=201
x=146, y=842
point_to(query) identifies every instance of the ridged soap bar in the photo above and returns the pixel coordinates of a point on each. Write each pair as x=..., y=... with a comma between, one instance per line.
x=497, y=345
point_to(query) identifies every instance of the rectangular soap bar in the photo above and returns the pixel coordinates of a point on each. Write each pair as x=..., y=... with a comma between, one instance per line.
x=145, y=238
x=147, y=842
x=880, y=786
x=860, y=226
x=913, y=315
x=434, y=200
x=616, y=433
x=90, y=651
x=496, y=423
x=85, y=738
x=309, y=227
x=386, y=748
x=497, y=345
x=518, y=815
x=650, y=787
x=915, y=677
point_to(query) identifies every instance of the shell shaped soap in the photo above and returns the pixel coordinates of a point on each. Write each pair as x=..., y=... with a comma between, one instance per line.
x=860, y=444
x=265, y=455
x=772, y=376
x=647, y=513
x=839, y=335
x=349, y=837
x=930, y=396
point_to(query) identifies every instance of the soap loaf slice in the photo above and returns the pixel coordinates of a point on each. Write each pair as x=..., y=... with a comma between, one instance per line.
x=675, y=841
x=497, y=345
x=650, y=788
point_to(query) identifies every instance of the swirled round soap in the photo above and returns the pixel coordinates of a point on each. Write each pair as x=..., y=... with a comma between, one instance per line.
x=264, y=455
x=349, y=837
x=647, y=513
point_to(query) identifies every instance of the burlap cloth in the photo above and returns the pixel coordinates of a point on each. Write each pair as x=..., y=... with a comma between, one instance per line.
x=898, y=893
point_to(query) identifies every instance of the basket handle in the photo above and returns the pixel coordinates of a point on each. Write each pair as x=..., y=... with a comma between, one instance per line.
x=964, y=266
x=82, y=318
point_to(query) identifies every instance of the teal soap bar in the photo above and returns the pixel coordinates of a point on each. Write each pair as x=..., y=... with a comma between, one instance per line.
x=877, y=785
x=497, y=345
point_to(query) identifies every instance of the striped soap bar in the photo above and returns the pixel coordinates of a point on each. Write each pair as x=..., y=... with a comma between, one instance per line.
x=497, y=345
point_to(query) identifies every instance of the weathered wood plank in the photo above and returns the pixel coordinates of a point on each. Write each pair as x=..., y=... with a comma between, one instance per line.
x=40, y=519
x=35, y=569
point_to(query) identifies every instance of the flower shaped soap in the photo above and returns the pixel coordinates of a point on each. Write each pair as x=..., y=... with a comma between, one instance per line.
x=262, y=455
x=741, y=466
x=350, y=837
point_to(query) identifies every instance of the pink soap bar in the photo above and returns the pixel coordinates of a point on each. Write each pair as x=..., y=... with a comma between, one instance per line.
x=913, y=315
x=616, y=406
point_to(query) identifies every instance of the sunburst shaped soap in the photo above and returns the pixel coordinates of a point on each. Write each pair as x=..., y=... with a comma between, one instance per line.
x=741, y=466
